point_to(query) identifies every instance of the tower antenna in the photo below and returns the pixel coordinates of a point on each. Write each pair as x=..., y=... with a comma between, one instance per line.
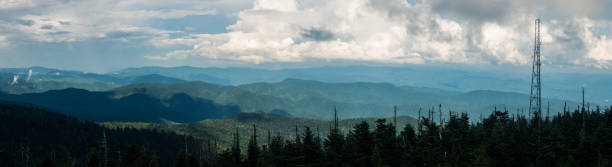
x=535, y=99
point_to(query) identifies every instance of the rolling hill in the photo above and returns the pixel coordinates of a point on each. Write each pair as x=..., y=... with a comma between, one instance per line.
x=39, y=79
x=314, y=99
x=556, y=84
x=224, y=95
x=377, y=99
x=40, y=134
x=196, y=100
x=102, y=106
x=223, y=130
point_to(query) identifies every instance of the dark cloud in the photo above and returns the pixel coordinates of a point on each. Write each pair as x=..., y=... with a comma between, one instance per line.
x=317, y=34
x=25, y=22
x=123, y=34
x=65, y=22
x=393, y=8
x=474, y=10
x=58, y=33
x=46, y=27
x=501, y=10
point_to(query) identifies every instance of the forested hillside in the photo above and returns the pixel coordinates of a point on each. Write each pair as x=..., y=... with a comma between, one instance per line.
x=311, y=98
x=559, y=85
x=276, y=125
x=40, y=79
x=219, y=94
x=31, y=136
x=103, y=106
x=579, y=138
x=195, y=101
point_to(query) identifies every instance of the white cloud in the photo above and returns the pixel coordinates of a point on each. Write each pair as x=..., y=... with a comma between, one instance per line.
x=279, y=5
x=15, y=80
x=3, y=41
x=271, y=32
x=15, y=4
x=502, y=43
x=393, y=32
x=29, y=75
x=389, y=31
x=70, y=21
x=156, y=14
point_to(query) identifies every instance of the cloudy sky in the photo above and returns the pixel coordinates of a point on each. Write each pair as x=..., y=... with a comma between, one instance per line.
x=104, y=35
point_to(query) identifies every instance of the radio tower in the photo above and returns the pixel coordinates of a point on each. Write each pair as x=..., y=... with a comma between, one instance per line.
x=535, y=100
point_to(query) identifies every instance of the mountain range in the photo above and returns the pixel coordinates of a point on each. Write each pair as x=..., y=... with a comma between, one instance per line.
x=103, y=106
x=555, y=84
x=564, y=85
x=193, y=101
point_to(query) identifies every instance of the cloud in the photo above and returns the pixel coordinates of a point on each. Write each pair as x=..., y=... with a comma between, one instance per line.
x=72, y=21
x=490, y=10
x=575, y=33
x=317, y=34
x=15, y=80
x=503, y=10
x=29, y=75
x=394, y=31
x=3, y=41
x=15, y=4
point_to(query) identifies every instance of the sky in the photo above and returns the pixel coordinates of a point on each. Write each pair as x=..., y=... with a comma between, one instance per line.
x=106, y=35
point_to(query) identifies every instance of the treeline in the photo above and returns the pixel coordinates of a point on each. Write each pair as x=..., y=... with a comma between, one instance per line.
x=31, y=136
x=579, y=138
x=37, y=137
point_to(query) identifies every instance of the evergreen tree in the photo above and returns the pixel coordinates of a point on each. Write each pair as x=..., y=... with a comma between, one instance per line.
x=253, y=149
x=334, y=144
x=130, y=156
x=387, y=142
x=427, y=149
x=185, y=160
x=457, y=142
x=47, y=162
x=360, y=144
x=93, y=160
x=146, y=158
x=407, y=143
x=276, y=150
x=235, y=153
x=310, y=148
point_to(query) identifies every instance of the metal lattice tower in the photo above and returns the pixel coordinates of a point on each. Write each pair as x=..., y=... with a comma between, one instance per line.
x=535, y=100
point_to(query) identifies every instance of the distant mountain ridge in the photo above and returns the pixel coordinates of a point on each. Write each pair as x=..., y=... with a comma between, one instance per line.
x=196, y=100
x=220, y=94
x=377, y=99
x=102, y=106
x=290, y=96
x=40, y=79
x=559, y=85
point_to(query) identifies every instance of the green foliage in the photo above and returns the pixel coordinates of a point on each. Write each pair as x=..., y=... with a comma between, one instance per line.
x=32, y=135
x=312, y=99
x=253, y=150
x=136, y=107
x=223, y=129
x=501, y=139
x=185, y=160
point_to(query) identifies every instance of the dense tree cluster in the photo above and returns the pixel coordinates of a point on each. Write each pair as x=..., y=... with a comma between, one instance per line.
x=579, y=138
x=37, y=137
x=31, y=136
